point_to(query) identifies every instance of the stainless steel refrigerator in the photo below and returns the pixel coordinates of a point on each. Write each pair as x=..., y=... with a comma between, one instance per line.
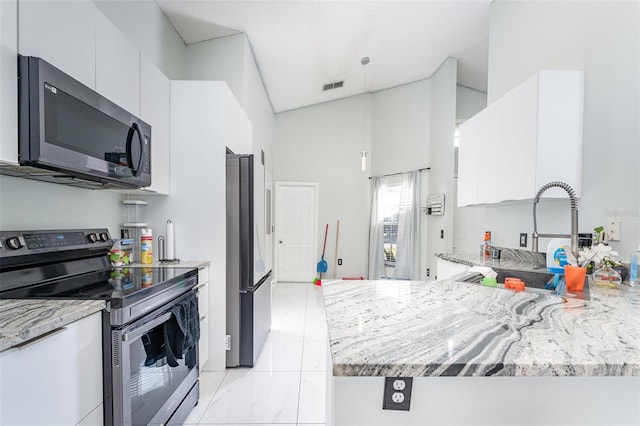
x=248, y=295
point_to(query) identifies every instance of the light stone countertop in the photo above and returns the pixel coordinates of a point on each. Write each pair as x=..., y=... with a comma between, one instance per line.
x=446, y=328
x=23, y=320
x=509, y=259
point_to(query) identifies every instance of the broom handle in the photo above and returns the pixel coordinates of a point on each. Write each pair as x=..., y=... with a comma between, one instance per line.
x=325, y=239
x=335, y=259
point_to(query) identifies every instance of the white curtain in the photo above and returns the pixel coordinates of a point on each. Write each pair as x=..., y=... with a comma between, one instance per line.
x=376, y=231
x=407, y=263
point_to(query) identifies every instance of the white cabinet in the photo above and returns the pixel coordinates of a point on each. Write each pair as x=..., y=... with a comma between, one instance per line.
x=8, y=78
x=528, y=138
x=489, y=143
x=203, y=310
x=117, y=66
x=62, y=33
x=201, y=131
x=56, y=379
x=155, y=109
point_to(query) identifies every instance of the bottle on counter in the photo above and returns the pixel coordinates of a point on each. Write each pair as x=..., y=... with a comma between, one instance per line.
x=146, y=246
x=486, y=244
x=633, y=268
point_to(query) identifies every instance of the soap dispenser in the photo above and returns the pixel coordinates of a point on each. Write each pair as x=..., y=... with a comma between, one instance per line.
x=633, y=268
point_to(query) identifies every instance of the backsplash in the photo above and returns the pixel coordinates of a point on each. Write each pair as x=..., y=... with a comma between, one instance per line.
x=28, y=204
x=524, y=257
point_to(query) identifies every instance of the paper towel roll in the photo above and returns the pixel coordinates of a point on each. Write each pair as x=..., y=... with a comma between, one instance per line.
x=170, y=241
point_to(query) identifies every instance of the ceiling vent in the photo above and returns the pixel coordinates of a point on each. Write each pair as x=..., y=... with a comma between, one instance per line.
x=334, y=85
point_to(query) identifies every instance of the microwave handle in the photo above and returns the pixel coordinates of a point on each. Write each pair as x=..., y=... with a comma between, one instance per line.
x=133, y=129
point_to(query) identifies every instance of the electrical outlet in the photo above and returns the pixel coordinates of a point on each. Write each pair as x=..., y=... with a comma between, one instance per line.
x=523, y=239
x=397, y=397
x=340, y=262
x=442, y=234
x=397, y=393
x=428, y=272
x=613, y=230
x=399, y=384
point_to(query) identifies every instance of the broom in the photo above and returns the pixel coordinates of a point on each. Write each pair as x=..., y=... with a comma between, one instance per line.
x=322, y=265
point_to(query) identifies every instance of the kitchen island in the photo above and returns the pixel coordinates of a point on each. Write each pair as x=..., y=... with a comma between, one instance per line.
x=481, y=355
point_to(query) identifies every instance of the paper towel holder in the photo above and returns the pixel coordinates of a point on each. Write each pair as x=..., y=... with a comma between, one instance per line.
x=162, y=247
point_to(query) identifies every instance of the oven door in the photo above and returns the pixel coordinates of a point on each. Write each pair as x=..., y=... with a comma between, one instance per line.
x=145, y=389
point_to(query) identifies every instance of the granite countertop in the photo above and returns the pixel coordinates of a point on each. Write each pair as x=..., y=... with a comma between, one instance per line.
x=23, y=320
x=509, y=259
x=446, y=328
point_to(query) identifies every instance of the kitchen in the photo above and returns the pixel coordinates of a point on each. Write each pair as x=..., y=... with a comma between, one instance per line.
x=611, y=106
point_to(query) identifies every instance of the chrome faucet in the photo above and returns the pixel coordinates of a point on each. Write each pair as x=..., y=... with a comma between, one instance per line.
x=573, y=201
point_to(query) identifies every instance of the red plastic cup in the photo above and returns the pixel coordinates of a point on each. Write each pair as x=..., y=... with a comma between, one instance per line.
x=574, y=275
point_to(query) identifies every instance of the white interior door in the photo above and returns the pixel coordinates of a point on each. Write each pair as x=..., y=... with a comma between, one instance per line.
x=296, y=231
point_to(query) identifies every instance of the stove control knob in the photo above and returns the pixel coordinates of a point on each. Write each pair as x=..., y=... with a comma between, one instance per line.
x=92, y=238
x=14, y=243
x=104, y=237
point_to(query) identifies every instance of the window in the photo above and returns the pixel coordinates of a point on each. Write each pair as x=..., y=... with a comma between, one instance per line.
x=391, y=211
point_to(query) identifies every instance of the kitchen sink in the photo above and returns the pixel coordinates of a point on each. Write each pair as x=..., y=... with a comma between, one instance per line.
x=535, y=281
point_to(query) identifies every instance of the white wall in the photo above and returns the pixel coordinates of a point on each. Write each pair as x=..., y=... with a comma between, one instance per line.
x=601, y=38
x=469, y=102
x=219, y=59
x=400, y=141
x=28, y=204
x=441, y=154
x=322, y=143
x=143, y=22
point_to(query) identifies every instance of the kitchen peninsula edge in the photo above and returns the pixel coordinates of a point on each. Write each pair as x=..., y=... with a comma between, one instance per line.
x=480, y=355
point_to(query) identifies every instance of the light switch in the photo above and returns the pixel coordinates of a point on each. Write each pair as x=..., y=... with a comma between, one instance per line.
x=613, y=230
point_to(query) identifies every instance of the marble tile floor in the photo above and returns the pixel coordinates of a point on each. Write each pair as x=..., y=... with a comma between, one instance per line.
x=287, y=386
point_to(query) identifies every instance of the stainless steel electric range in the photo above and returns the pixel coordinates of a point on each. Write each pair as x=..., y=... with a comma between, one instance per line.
x=145, y=380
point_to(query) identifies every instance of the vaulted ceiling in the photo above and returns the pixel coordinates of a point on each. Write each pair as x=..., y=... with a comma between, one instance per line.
x=299, y=46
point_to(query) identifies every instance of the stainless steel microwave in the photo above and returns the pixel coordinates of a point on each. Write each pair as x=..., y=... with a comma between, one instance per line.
x=69, y=128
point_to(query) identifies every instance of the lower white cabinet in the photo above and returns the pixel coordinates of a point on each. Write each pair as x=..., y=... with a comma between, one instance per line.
x=56, y=379
x=203, y=309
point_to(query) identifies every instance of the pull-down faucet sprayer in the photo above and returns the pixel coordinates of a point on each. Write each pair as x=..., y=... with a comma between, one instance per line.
x=573, y=202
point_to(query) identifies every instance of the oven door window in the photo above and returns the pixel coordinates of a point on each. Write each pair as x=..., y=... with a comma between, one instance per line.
x=151, y=389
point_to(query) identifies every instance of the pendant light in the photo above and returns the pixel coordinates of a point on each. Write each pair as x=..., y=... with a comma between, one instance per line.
x=363, y=154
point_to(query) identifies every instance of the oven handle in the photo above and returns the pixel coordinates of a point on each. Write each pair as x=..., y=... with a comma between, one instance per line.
x=137, y=332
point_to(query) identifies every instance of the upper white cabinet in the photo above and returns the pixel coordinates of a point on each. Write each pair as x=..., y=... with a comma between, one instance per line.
x=8, y=79
x=62, y=33
x=117, y=66
x=155, y=109
x=529, y=137
x=77, y=38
